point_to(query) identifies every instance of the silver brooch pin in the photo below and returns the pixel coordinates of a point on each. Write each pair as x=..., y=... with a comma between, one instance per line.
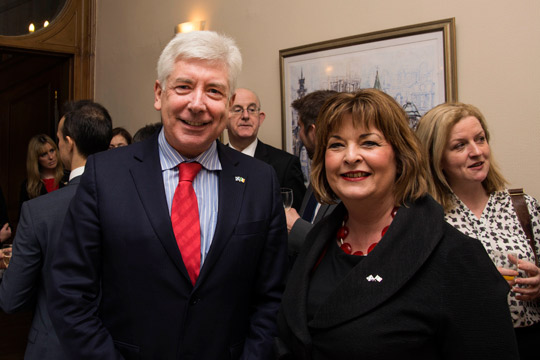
x=371, y=278
x=239, y=179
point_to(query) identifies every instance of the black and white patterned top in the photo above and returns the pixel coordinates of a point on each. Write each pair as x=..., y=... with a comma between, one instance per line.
x=499, y=230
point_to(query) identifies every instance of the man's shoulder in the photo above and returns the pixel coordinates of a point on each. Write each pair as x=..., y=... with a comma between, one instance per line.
x=48, y=207
x=275, y=152
x=53, y=198
x=124, y=157
x=229, y=156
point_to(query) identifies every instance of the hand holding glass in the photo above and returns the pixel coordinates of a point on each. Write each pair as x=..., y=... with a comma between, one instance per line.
x=507, y=260
x=287, y=198
x=6, y=252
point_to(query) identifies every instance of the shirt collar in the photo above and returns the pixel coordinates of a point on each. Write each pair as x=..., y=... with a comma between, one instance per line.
x=76, y=172
x=170, y=158
x=250, y=149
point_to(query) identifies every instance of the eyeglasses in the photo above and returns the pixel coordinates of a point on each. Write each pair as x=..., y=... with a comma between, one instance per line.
x=238, y=110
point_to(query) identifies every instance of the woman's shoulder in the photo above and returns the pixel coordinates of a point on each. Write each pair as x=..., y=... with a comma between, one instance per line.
x=462, y=253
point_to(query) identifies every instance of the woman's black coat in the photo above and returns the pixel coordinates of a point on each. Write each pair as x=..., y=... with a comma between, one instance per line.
x=439, y=297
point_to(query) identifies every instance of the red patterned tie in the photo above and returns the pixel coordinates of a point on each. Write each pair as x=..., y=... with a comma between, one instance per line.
x=185, y=219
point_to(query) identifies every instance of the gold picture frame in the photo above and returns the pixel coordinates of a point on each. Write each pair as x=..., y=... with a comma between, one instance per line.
x=415, y=63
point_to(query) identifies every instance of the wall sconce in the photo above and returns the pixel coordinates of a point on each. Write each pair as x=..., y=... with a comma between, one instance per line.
x=190, y=26
x=32, y=27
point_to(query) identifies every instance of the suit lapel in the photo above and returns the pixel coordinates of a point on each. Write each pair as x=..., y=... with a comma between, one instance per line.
x=411, y=238
x=261, y=152
x=232, y=183
x=148, y=180
x=305, y=200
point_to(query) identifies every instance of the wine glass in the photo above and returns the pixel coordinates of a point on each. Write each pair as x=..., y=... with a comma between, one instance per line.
x=506, y=260
x=287, y=197
x=6, y=250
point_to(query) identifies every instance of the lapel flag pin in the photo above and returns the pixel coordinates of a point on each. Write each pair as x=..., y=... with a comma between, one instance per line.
x=371, y=278
x=239, y=179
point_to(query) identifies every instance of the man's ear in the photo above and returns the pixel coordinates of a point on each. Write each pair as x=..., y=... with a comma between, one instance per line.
x=157, y=96
x=311, y=132
x=231, y=101
x=262, y=116
x=71, y=143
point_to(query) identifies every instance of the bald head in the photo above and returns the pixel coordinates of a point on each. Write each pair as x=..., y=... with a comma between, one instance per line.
x=245, y=118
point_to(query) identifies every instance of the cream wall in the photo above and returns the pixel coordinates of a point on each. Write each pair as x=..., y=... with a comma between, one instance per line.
x=498, y=47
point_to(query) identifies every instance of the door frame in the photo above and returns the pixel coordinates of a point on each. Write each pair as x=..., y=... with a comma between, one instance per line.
x=72, y=32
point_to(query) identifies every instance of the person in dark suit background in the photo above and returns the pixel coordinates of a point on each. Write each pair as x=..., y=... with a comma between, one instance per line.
x=146, y=131
x=311, y=211
x=122, y=285
x=245, y=119
x=85, y=129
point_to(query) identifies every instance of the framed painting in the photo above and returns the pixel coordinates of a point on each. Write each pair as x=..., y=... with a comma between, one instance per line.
x=415, y=64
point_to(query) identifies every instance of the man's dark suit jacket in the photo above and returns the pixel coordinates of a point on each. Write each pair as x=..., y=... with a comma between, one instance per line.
x=37, y=234
x=288, y=170
x=119, y=244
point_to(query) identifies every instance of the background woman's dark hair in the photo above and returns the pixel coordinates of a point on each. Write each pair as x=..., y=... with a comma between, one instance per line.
x=122, y=132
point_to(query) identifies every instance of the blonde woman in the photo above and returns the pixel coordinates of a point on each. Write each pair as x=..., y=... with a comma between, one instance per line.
x=44, y=169
x=467, y=182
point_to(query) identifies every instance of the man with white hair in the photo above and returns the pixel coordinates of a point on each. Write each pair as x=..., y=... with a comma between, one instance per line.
x=174, y=247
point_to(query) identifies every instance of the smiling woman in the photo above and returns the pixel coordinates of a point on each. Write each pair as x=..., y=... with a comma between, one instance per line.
x=467, y=182
x=384, y=252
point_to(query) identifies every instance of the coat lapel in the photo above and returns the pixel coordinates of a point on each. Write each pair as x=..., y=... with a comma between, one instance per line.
x=413, y=235
x=261, y=152
x=232, y=184
x=148, y=180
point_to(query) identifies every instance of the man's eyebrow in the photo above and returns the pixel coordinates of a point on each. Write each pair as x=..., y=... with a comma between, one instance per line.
x=183, y=80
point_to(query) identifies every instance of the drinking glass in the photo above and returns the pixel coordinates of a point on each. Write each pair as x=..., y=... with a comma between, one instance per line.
x=287, y=197
x=6, y=250
x=506, y=260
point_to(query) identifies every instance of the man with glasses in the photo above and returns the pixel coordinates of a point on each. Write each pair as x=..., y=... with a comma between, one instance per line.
x=245, y=119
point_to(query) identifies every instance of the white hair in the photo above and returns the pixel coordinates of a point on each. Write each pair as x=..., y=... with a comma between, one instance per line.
x=203, y=45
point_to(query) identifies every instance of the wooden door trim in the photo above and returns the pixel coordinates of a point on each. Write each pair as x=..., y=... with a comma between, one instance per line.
x=72, y=32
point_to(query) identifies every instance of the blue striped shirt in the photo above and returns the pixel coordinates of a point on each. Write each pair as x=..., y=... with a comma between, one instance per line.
x=206, y=186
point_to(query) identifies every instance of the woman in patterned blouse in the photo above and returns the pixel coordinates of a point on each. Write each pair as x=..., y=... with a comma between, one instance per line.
x=471, y=188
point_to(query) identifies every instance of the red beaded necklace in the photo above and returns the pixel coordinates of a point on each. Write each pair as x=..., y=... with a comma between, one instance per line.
x=344, y=231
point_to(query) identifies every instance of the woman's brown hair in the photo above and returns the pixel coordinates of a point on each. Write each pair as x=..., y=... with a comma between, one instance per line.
x=371, y=108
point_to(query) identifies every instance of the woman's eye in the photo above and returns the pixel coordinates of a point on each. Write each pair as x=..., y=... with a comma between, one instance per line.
x=370, y=144
x=334, y=145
